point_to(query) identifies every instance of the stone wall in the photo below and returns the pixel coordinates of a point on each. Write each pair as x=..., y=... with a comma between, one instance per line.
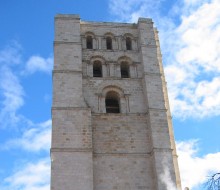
x=95, y=150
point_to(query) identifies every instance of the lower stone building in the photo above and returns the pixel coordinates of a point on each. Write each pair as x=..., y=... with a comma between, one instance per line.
x=112, y=127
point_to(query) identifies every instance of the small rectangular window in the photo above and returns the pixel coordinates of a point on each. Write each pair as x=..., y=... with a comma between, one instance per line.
x=128, y=43
x=124, y=70
x=108, y=43
x=97, y=69
x=89, y=42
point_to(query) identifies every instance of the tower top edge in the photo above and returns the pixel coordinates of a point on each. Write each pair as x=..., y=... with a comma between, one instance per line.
x=77, y=16
x=147, y=20
x=67, y=16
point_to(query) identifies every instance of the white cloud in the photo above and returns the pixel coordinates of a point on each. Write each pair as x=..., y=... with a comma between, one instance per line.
x=194, y=170
x=38, y=63
x=11, y=54
x=131, y=10
x=13, y=97
x=194, y=99
x=32, y=176
x=195, y=68
x=11, y=91
x=34, y=139
x=199, y=37
x=190, y=42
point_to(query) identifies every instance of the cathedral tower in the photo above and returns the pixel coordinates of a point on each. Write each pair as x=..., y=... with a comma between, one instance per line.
x=112, y=127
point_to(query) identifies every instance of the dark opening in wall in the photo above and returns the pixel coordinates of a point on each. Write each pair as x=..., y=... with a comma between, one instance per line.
x=128, y=43
x=109, y=43
x=112, y=102
x=125, y=70
x=97, y=69
x=89, y=44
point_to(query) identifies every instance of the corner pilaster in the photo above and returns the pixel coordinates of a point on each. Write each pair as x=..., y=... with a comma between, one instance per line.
x=71, y=149
x=161, y=150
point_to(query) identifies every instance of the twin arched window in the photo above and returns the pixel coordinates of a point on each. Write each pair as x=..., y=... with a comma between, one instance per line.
x=112, y=102
x=89, y=42
x=124, y=67
x=109, y=45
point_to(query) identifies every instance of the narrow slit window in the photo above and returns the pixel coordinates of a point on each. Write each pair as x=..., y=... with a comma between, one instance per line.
x=112, y=103
x=97, y=69
x=89, y=42
x=109, y=43
x=125, y=70
x=128, y=43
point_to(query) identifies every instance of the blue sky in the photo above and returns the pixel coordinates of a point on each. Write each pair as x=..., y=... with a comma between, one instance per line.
x=189, y=33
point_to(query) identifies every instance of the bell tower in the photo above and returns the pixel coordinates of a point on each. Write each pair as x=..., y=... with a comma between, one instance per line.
x=112, y=126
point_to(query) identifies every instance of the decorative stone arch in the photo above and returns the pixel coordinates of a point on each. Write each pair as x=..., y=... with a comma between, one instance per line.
x=128, y=35
x=126, y=59
x=109, y=34
x=109, y=41
x=123, y=99
x=129, y=42
x=114, y=88
x=109, y=83
x=89, y=41
x=125, y=67
x=97, y=59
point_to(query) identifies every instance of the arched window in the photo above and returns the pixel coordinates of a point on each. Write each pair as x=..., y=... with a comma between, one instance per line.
x=109, y=43
x=112, y=102
x=125, y=70
x=97, y=69
x=128, y=43
x=89, y=44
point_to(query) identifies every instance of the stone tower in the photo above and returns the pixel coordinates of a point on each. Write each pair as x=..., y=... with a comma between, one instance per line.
x=112, y=127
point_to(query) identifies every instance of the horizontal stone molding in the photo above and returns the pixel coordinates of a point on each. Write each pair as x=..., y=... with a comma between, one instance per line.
x=67, y=71
x=111, y=50
x=108, y=24
x=64, y=41
x=70, y=108
x=123, y=154
x=157, y=109
x=148, y=45
x=119, y=114
x=111, y=78
x=160, y=150
x=71, y=150
x=152, y=74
